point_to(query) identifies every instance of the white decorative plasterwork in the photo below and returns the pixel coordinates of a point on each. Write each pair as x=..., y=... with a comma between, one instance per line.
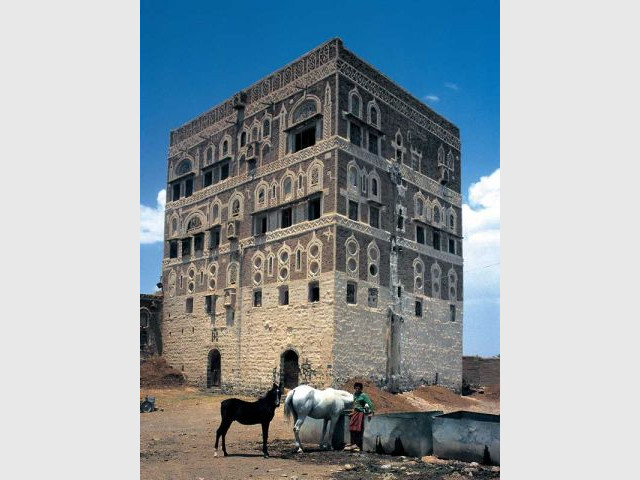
x=418, y=276
x=373, y=262
x=352, y=249
x=452, y=280
x=326, y=113
x=436, y=272
x=284, y=262
x=258, y=262
x=212, y=273
x=314, y=257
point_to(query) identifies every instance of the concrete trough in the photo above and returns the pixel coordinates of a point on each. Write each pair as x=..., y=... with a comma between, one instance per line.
x=400, y=433
x=467, y=436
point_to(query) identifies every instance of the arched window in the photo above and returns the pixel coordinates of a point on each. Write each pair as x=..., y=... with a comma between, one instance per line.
x=355, y=103
x=374, y=115
x=235, y=208
x=419, y=207
x=261, y=195
x=353, y=177
x=254, y=134
x=265, y=152
x=441, y=155
x=436, y=214
x=225, y=148
x=194, y=223
x=243, y=139
x=183, y=167
x=451, y=221
x=300, y=181
x=398, y=147
x=209, y=155
x=266, y=128
x=287, y=187
x=374, y=187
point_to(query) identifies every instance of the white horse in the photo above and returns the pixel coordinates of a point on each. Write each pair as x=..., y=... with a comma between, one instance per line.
x=305, y=401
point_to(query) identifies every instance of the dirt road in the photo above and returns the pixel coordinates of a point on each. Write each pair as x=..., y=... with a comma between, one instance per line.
x=176, y=442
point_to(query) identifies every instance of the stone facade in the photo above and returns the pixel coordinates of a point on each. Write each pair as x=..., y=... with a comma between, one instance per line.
x=150, y=325
x=313, y=233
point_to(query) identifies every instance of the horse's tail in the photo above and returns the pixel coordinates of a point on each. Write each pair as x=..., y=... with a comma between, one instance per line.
x=288, y=405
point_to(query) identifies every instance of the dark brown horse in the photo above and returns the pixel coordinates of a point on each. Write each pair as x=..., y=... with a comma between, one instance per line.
x=249, y=413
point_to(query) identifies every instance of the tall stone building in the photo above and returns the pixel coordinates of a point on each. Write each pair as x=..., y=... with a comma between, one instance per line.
x=313, y=233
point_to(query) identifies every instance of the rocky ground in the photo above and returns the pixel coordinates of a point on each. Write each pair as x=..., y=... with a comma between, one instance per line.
x=176, y=441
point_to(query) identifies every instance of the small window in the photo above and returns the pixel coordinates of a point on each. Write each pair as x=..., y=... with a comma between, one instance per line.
x=266, y=128
x=374, y=187
x=235, y=208
x=451, y=222
x=436, y=240
x=374, y=115
x=176, y=192
x=355, y=105
x=373, y=297
x=215, y=238
x=373, y=143
x=188, y=188
x=243, y=139
x=173, y=249
x=314, y=292
x=283, y=295
x=251, y=166
x=287, y=187
x=418, y=308
x=452, y=313
x=208, y=304
x=285, y=217
x=399, y=291
x=436, y=214
x=355, y=134
x=254, y=134
x=314, y=209
x=188, y=305
x=452, y=246
x=420, y=234
x=225, y=148
x=351, y=293
x=353, y=210
x=229, y=316
x=374, y=216
x=198, y=242
x=305, y=138
x=300, y=181
x=224, y=170
x=209, y=154
x=257, y=298
x=186, y=247
x=400, y=220
x=298, y=259
x=207, y=178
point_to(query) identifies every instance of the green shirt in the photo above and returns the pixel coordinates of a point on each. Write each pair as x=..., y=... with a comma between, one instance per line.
x=359, y=402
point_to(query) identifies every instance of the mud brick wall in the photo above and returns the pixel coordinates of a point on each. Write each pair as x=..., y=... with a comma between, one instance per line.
x=478, y=371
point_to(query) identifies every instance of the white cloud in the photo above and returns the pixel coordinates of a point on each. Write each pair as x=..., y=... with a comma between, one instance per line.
x=452, y=86
x=481, y=226
x=432, y=98
x=152, y=220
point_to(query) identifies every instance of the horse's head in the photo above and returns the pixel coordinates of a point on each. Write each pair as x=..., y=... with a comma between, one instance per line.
x=275, y=393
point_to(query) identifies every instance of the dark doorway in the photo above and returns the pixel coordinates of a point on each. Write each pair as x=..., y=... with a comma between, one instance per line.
x=143, y=338
x=214, y=370
x=290, y=369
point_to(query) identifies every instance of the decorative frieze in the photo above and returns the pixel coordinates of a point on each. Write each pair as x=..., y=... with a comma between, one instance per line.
x=386, y=96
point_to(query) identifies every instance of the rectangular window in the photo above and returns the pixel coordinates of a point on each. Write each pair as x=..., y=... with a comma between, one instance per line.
x=285, y=217
x=173, y=249
x=399, y=291
x=351, y=292
x=215, y=238
x=188, y=187
x=305, y=138
x=208, y=304
x=374, y=216
x=257, y=298
x=373, y=297
x=420, y=234
x=198, y=242
x=229, y=316
x=436, y=240
x=373, y=143
x=176, y=191
x=418, y=308
x=452, y=313
x=356, y=134
x=251, y=166
x=207, y=178
x=353, y=210
x=314, y=209
x=224, y=170
x=186, y=247
x=261, y=224
x=314, y=292
x=452, y=246
x=284, y=296
x=188, y=305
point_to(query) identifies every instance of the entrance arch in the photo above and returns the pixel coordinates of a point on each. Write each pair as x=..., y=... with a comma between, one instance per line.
x=214, y=369
x=289, y=368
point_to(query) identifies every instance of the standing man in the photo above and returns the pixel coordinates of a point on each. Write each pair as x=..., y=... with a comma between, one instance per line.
x=362, y=405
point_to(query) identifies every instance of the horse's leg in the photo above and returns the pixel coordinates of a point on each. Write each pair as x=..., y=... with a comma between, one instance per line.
x=334, y=420
x=265, y=435
x=296, y=430
x=324, y=430
x=222, y=432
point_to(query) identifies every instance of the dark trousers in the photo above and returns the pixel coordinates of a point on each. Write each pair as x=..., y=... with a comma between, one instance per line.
x=356, y=438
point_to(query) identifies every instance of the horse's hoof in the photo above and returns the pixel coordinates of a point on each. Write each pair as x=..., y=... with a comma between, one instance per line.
x=266, y=455
x=215, y=454
x=299, y=450
x=226, y=454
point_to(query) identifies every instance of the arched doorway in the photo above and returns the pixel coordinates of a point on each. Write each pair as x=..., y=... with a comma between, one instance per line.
x=290, y=369
x=214, y=369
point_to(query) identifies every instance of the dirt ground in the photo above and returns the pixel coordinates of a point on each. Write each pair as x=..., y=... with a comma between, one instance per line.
x=176, y=441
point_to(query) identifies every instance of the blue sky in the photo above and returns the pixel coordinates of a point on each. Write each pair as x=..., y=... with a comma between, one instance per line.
x=196, y=54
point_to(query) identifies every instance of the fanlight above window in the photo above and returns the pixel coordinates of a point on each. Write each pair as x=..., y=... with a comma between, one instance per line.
x=194, y=223
x=183, y=167
x=305, y=110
